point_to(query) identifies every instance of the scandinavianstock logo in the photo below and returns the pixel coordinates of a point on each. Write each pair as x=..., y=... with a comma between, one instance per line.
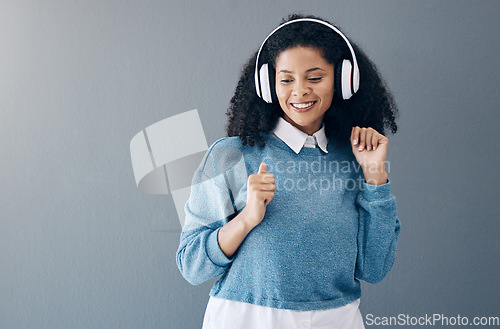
x=165, y=156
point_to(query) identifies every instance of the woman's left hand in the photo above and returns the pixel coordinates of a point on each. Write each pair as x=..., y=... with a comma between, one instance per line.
x=370, y=149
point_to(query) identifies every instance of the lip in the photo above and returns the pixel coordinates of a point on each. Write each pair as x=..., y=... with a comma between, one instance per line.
x=302, y=110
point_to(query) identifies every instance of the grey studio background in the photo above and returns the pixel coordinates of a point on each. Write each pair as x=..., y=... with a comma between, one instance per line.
x=81, y=247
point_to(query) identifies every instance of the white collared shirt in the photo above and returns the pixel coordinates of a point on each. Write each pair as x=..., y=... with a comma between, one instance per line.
x=228, y=314
x=296, y=138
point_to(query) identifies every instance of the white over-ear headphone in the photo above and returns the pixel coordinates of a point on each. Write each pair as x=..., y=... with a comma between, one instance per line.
x=348, y=71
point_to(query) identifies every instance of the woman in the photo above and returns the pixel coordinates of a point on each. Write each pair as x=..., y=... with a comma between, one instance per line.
x=294, y=223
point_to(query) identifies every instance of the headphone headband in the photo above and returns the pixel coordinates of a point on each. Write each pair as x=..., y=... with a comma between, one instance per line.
x=354, y=85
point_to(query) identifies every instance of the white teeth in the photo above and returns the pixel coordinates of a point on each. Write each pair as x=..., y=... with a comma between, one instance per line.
x=302, y=105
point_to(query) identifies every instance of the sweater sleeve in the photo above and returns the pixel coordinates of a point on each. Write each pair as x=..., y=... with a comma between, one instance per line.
x=378, y=232
x=210, y=206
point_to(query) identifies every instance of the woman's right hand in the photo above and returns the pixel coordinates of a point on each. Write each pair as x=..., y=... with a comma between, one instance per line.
x=260, y=191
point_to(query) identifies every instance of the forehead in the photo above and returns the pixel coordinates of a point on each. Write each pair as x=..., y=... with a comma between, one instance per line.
x=301, y=58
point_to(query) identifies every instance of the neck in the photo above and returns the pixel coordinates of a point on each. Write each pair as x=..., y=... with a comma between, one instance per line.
x=309, y=130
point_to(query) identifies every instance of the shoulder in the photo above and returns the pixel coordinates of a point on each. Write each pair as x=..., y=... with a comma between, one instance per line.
x=234, y=142
x=224, y=153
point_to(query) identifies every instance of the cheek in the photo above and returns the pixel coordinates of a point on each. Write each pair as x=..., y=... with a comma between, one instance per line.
x=281, y=94
x=327, y=93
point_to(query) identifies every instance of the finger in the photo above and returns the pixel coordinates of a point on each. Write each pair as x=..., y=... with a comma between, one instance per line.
x=362, y=139
x=266, y=187
x=354, y=135
x=254, y=180
x=268, y=178
x=264, y=178
x=375, y=139
x=368, y=138
x=262, y=168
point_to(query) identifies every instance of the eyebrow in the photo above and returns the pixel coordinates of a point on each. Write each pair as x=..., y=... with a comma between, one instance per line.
x=310, y=70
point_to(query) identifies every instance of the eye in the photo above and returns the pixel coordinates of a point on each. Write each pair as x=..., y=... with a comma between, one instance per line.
x=315, y=79
x=286, y=81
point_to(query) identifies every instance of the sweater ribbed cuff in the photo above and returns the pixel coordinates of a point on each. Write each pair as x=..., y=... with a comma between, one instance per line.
x=377, y=192
x=214, y=251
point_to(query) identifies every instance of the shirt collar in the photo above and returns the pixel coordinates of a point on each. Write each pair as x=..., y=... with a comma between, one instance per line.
x=295, y=138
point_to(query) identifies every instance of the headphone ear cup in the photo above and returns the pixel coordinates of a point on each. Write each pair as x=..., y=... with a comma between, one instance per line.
x=272, y=84
x=265, y=83
x=346, y=77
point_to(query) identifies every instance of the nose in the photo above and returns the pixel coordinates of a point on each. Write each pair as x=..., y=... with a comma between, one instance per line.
x=301, y=88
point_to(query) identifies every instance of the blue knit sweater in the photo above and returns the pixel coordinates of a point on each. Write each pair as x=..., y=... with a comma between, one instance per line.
x=324, y=230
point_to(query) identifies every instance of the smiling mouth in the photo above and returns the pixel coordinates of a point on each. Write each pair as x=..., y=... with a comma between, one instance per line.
x=303, y=107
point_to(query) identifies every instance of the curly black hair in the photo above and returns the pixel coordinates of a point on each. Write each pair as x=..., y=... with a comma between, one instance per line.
x=372, y=106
